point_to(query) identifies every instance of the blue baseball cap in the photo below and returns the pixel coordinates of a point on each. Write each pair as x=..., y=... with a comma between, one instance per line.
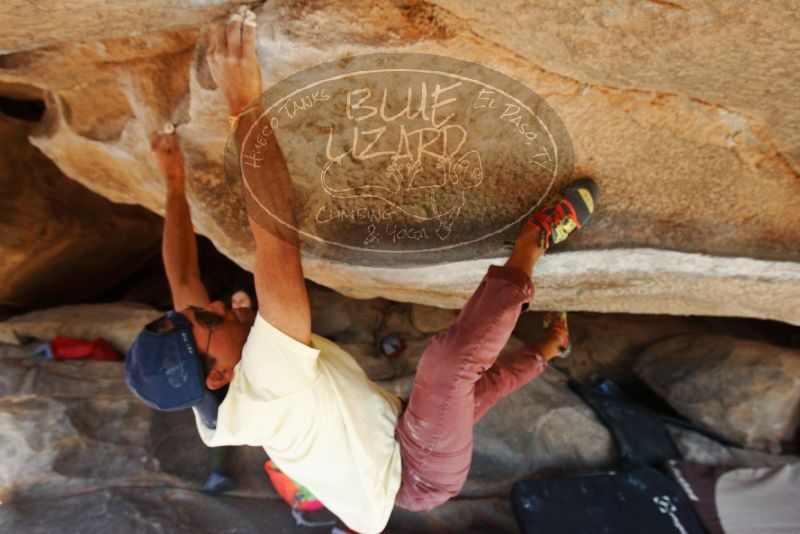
x=163, y=368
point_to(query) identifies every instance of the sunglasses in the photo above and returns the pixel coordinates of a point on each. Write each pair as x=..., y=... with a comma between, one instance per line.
x=164, y=325
x=210, y=319
x=206, y=317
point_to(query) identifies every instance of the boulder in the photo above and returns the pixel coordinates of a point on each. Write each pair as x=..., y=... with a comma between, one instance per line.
x=119, y=323
x=641, y=281
x=92, y=20
x=747, y=391
x=465, y=516
x=59, y=241
x=696, y=447
x=75, y=426
x=675, y=139
x=76, y=438
x=542, y=429
x=144, y=509
x=329, y=322
x=608, y=344
x=430, y=319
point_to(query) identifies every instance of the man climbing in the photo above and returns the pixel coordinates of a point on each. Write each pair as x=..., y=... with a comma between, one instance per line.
x=359, y=449
x=179, y=251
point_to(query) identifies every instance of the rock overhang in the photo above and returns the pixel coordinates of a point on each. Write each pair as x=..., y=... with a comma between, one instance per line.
x=701, y=197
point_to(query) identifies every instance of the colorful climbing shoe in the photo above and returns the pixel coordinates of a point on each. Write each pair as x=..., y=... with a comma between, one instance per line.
x=566, y=212
x=557, y=322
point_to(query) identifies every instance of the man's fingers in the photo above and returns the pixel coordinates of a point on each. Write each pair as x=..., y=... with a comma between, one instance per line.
x=220, y=39
x=164, y=142
x=161, y=146
x=212, y=43
x=249, y=18
x=234, y=33
x=249, y=32
x=169, y=142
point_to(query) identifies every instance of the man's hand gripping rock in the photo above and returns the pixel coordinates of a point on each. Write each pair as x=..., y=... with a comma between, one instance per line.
x=232, y=59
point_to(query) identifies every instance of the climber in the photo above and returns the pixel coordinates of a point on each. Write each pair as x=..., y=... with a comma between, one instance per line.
x=358, y=448
x=179, y=250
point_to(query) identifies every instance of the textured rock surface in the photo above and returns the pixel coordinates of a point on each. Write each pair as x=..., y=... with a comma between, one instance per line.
x=74, y=438
x=696, y=447
x=685, y=114
x=609, y=344
x=120, y=323
x=145, y=509
x=617, y=280
x=60, y=242
x=542, y=428
x=431, y=319
x=745, y=390
x=27, y=26
x=699, y=54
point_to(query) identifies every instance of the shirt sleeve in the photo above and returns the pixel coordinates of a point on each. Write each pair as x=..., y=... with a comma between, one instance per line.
x=274, y=364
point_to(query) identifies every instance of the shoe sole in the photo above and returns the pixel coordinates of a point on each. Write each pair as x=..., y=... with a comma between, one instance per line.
x=584, y=195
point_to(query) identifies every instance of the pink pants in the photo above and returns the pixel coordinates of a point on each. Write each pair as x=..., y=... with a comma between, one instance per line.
x=460, y=377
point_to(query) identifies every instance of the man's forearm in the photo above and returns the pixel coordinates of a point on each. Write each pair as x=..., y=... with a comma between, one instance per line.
x=268, y=182
x=179, y=245
x=270, y=204
x=269, y=194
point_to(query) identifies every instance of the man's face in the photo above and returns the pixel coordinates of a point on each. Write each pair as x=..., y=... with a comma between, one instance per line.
x=222, y=343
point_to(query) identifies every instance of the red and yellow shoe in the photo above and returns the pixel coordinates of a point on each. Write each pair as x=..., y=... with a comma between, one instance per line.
x=566, y=212
x=557, y=322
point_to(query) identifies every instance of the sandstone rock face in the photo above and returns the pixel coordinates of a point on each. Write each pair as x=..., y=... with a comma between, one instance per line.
x=608, y=345
x=685, y=115
x=617, y=280
x=60, y=242
x=430, y=319
x=54, y=21
x=745, y=390
x=702, y=53
x=119, y=323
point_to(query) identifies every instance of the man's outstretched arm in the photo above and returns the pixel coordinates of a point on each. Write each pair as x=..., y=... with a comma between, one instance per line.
x=279, y=280
x=179, y=245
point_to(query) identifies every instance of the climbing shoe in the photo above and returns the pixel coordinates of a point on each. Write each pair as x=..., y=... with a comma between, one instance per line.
x=566, y=211
x=557, y=322
x=218, y=482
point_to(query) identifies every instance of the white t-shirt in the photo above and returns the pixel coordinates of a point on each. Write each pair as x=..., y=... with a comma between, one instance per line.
x=320, y=419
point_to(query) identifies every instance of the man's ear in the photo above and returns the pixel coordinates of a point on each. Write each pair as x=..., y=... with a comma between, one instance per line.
x=218, y=378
